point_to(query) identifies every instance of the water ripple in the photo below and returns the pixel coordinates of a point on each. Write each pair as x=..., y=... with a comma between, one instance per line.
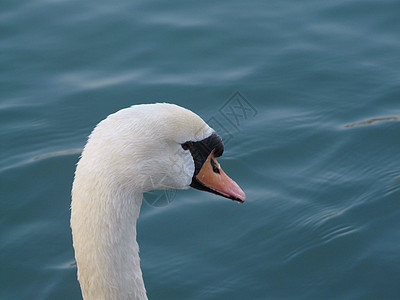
x=322, y=237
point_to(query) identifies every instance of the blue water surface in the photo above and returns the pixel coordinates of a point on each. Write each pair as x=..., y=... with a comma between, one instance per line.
x=306, y=95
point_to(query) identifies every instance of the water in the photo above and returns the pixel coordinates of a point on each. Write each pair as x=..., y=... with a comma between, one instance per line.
x=317, y=152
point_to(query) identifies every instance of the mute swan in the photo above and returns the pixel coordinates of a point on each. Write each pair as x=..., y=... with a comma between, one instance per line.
x=137, y=149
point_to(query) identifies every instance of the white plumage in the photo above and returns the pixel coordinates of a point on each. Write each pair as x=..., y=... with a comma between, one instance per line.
x=132, y=151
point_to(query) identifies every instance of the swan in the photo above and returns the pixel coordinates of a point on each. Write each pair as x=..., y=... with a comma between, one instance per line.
x=137, y=149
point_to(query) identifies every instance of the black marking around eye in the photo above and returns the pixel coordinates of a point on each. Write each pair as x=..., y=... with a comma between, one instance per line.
x=187, y=145
x=201, y=150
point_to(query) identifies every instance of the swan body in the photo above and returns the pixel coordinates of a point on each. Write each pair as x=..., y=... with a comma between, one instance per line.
x=137, y=149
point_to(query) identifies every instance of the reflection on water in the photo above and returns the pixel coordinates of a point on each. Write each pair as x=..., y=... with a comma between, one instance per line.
x=372, y=121
x=58, y=153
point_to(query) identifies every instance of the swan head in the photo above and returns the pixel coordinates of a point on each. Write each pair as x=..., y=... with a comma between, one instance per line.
x=156, y=146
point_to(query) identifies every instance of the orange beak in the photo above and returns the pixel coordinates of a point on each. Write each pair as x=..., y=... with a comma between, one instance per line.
x=212, y=177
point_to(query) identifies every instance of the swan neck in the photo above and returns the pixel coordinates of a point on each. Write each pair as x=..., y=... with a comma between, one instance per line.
x=104, y=235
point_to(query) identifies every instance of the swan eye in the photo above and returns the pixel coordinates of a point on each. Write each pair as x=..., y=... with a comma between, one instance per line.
x=214, y=166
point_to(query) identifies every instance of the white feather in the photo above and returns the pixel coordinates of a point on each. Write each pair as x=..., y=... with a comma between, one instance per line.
x=132, y=151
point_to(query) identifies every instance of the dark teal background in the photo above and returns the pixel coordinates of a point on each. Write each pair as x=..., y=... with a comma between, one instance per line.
x=317, y=154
